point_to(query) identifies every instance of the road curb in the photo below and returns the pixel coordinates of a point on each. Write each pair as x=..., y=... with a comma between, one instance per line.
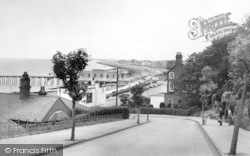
x=96, y=137
x=217, y=149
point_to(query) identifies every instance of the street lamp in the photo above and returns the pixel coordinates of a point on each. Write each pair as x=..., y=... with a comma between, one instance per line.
x=117, y=78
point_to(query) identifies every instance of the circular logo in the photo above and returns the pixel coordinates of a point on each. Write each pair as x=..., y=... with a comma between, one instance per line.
x=7, y=150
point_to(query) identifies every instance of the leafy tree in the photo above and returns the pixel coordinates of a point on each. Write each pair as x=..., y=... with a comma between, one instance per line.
x=124, y=98
x=67, y=68
x=215, y=56
x=137, y=98
x=240, y=72
x=207, y=87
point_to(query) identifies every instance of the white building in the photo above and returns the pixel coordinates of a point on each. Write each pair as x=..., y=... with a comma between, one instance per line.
x=95, y=96
x=41, y=74
x=156, y=100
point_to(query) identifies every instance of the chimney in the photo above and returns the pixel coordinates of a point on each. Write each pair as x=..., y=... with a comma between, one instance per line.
x=178, y=64
x=42, y=91
x=179, y=60
x=25, y=86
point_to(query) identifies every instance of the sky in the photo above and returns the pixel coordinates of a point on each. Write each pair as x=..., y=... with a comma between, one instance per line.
x=107, y=29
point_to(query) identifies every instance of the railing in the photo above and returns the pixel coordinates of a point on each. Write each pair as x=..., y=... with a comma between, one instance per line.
x=16, y=128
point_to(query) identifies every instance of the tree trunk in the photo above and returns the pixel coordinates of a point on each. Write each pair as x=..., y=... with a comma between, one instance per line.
x=73, y=121
x=238, y=121
x=138, y=115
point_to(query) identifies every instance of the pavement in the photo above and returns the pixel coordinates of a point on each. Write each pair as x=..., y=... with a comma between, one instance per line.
x=220, y=136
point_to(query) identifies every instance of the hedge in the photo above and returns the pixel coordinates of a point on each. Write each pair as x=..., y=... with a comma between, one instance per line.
x=111, y=111
x=166, y=111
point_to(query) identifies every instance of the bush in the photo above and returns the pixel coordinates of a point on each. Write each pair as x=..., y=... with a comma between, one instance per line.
x=79, y=111
x=162, y=105
x=125, y=113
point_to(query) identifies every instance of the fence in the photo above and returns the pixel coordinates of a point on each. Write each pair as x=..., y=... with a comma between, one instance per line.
x=18, y=128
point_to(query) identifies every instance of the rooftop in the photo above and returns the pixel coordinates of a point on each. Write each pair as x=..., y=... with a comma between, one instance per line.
x=34, y=108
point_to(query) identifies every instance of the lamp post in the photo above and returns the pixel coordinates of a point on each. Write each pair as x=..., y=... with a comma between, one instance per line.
x=203, y=103
x=117, y=78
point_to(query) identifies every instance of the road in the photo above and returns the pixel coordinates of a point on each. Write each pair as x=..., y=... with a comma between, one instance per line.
x=162, y=136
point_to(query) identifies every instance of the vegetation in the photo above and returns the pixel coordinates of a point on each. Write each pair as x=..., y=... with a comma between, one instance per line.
x=169, y=111
x=124, y=111
x=67, y=68
x=227, y=61
x=137, y=98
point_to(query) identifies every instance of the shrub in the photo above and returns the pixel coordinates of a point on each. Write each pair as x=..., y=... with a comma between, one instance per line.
x=125, y=113
x=162, y=105
x=79, y=110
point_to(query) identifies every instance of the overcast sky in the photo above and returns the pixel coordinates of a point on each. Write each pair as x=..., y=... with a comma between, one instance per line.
x=113, y=29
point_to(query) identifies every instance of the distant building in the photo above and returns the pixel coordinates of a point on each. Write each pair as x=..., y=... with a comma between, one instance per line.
x=41, y=74
x=174, y=71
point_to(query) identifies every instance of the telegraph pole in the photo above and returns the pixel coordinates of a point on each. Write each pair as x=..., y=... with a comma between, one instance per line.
x=239, y=114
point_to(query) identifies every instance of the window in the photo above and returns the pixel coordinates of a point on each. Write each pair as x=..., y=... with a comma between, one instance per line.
x=39, y=81
x=107, y=76
x=51, y=81
x=171, y=86
x=171, y=75
x=170, y=101
x=8, y=80
x=14, y=80
x=94, y=75
x=101, y=75
x=31, y=81
x=122, y=76
x=88, y=75
x=58, y=82
x=46, y=81
x=113, y=75
x=89, y=97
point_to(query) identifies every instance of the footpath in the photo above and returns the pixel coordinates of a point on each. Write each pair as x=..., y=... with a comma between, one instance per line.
x=220, y=136
x=84, y=133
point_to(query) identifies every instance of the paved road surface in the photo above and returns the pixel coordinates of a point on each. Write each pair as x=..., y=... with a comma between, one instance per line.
x=162, y=136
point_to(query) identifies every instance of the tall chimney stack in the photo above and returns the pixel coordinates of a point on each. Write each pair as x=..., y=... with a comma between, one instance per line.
x=25, y=86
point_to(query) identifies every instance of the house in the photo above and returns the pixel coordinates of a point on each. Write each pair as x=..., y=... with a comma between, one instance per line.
x=26, y=106
x=174, y=71
x=156, y=100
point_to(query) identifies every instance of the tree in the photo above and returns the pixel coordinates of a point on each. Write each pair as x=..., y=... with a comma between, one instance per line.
x=124, y=98
x=137, y=98
x=240, y=61
x=215, y=56
x=67, y=68
x=207, y=87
